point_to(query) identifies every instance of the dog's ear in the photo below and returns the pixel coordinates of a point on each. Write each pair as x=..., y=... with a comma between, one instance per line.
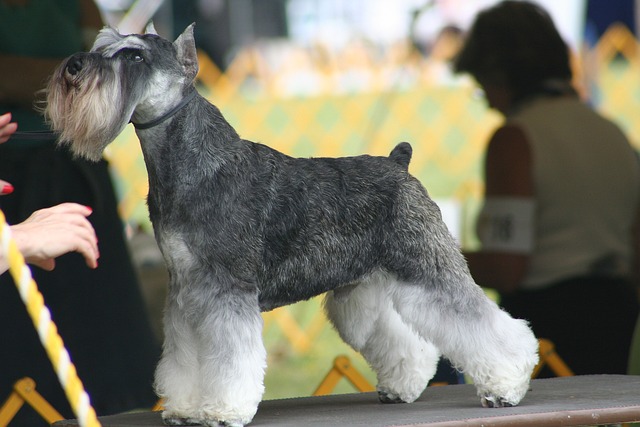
x=150, y=29
x=185, y=44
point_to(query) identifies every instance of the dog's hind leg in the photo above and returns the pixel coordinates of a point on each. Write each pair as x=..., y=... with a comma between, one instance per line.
x=364, y=317
x=482, y=340
x=436, y=295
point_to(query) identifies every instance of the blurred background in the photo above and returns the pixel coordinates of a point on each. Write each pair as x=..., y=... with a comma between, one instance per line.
x=347, y=77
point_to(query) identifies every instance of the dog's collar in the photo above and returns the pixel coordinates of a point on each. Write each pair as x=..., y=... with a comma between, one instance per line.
x=168, y=114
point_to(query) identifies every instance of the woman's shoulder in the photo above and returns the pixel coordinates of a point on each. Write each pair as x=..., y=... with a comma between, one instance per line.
x=508, y=162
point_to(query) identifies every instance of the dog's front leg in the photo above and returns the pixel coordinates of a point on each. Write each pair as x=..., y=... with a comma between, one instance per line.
x=177, y=372
x=232, y=358
x=226, y=334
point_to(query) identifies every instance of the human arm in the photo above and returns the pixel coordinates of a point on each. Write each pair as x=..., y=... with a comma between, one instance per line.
x=508, y=173
x=51, y=232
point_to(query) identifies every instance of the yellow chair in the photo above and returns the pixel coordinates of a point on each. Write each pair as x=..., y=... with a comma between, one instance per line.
x=24, y=391
x=549, y=357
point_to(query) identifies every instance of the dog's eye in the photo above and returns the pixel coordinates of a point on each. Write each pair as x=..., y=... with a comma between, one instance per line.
x=133, y=55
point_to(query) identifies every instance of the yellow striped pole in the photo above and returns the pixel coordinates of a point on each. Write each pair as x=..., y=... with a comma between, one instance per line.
x=47, y=330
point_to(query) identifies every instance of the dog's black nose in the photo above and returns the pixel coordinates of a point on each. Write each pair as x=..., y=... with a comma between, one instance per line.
x=74, y=65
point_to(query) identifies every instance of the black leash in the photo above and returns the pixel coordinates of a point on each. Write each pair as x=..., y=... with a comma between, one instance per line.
x=41, y=135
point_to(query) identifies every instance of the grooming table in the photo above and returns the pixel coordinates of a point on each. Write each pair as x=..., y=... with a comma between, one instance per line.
x=566, y=401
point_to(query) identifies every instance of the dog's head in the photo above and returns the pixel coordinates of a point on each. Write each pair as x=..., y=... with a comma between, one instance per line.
x=137, y=77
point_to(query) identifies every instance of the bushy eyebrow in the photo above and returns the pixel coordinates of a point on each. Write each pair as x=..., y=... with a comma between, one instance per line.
x=109, y=42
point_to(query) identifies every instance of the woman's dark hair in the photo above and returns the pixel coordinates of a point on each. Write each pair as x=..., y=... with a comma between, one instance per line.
x=517, y=44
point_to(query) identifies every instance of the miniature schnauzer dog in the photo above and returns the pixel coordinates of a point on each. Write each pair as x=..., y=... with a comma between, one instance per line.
x=244, y=228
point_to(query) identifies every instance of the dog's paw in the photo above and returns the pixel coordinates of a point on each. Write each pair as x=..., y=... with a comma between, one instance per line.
x=388, y=397
x=218, y=423
x=174, y=420
x=492, y=401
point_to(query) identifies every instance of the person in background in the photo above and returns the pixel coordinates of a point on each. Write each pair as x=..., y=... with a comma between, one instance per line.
x=558, y=226
x=99, y=311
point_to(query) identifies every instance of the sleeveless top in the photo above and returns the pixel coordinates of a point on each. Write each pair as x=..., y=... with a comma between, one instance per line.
x=587, y=190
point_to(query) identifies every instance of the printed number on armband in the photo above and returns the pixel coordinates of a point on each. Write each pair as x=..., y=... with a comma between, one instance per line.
x=506, y=224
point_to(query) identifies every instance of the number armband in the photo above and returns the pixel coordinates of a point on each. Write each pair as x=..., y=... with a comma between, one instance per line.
x=505, y=224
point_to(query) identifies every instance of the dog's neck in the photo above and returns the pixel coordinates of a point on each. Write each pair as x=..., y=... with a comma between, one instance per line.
x=188, y=97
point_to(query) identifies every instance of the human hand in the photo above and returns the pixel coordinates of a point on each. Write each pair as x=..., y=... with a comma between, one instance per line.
x=6, y=130
x=6, y=127
x=51, y=232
